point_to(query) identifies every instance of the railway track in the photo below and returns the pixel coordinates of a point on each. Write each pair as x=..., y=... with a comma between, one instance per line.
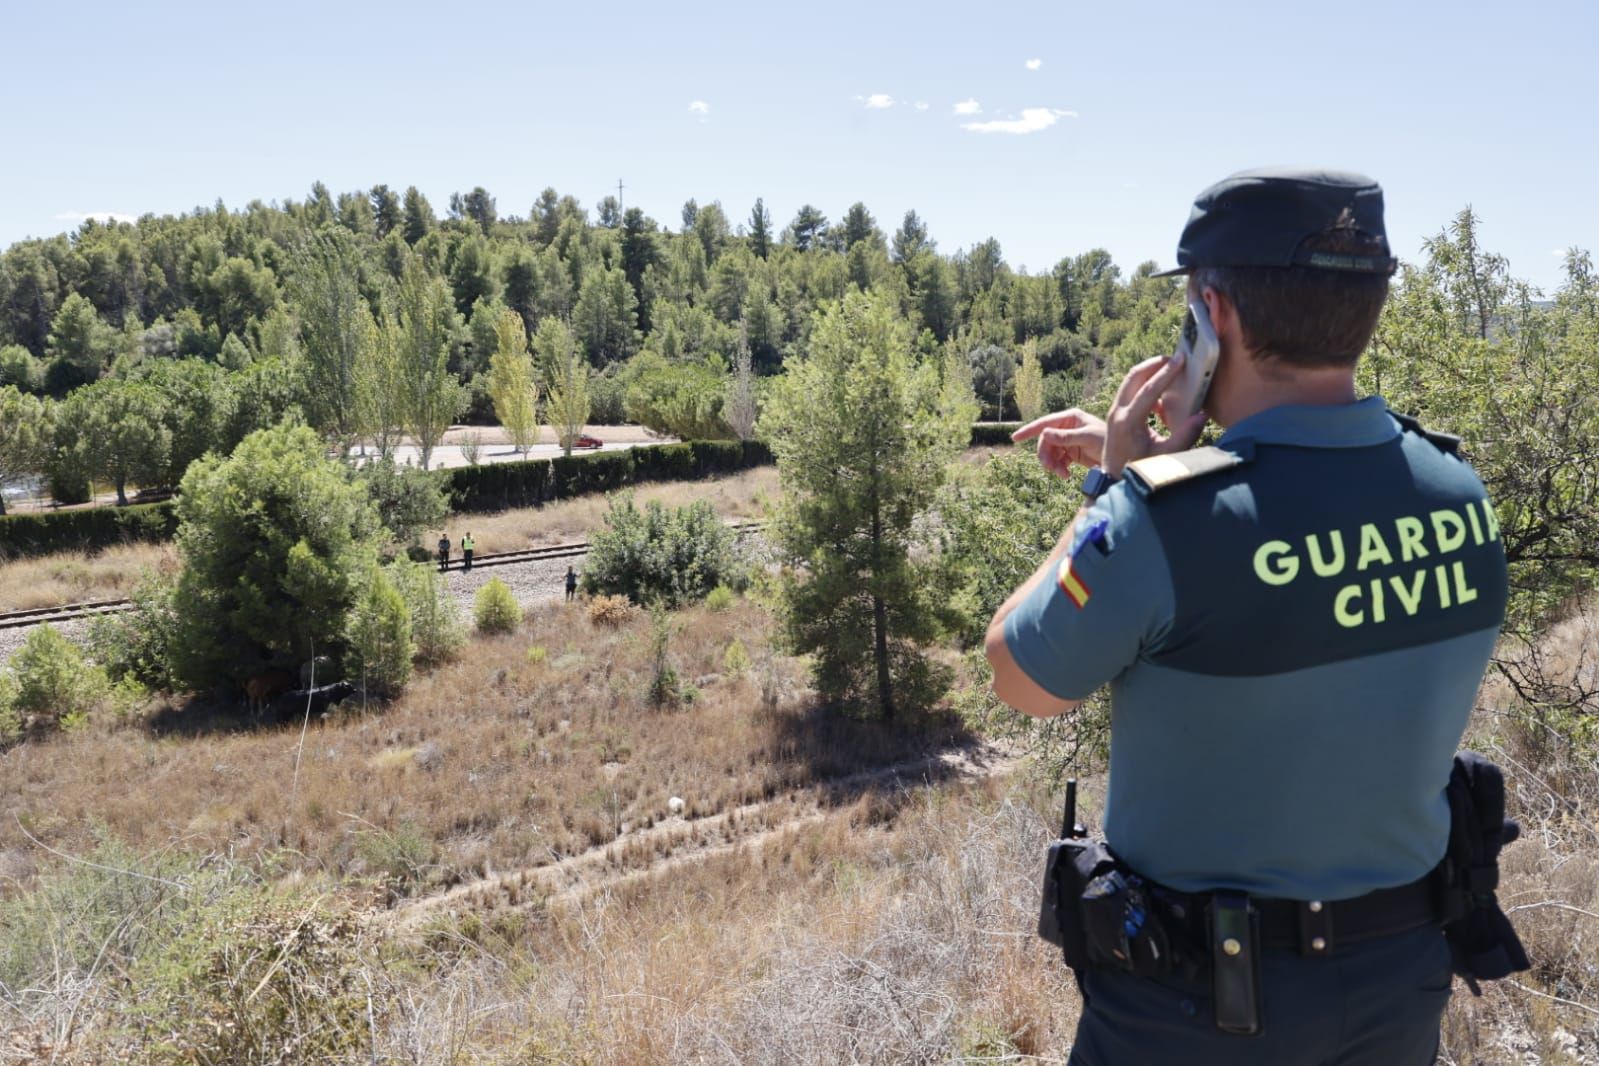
x=68, y=612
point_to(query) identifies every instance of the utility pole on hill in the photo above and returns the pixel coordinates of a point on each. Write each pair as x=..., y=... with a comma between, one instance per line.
x=621, y=204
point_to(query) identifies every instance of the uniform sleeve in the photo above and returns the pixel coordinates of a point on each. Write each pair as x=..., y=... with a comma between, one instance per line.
x=1106, y=601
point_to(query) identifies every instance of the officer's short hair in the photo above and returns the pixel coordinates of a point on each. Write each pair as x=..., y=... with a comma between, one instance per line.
x=1306, y=316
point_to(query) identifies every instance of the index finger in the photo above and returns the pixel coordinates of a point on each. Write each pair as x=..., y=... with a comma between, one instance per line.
x=1150, y=392
x=1135, y=379
x=1058, y=420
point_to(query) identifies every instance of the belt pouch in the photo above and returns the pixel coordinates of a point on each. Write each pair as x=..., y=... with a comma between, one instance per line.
x=1235, y=963
x=1072, y=863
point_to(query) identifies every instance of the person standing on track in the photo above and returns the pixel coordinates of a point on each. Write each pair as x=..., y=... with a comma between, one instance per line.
x=571, y=584
x=467, y=546
x=1294, y=624
x=444, y=551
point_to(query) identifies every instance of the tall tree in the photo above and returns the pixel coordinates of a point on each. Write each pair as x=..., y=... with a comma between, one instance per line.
x=605, y=316
x=419, y=217
x=380, y=399
x=1030, y=383
x=639, y=253
x=431, y=394
x=808, y=227
x=24, y=437
x=512, y=385
x=760, y=229
x=326, y=290
x=863, y=436
x=859, y=225
x=608, y=215
x=566, y=380
x=691, y=210
x=121, y=433
x=910, y=240
x=81, y=344
x=386, y=212
x=740, y=406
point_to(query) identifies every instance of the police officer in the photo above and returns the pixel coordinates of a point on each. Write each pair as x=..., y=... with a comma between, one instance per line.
x=468, y=546
x=1293, y=624
x=444, y=551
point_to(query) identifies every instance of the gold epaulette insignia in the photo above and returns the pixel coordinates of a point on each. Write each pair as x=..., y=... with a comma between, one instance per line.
x=1162, y=471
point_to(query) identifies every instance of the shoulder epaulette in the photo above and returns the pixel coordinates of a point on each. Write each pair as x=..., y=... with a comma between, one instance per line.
x=1158, y=472
x=1444, y=442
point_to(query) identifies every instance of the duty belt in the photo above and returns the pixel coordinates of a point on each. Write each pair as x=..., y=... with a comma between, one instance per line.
x=1317, y=928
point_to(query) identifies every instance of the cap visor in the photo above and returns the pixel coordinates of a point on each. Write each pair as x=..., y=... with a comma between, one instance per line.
x=1173, y=272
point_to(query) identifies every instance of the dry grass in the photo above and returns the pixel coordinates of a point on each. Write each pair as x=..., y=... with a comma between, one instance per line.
x=739, y=496
x=72, y=577
x=492, y=762
x=75, y=576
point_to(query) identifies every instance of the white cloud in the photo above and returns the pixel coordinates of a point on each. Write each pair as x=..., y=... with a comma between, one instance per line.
x=1032, y=120
x=922, y=105
x=968, y=106
x=1034, y=64
x=103, y=216
x=1558, y=253
x=699, y=107
x=877, y=101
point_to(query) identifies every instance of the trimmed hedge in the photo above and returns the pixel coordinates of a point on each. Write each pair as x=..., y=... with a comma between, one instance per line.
x=993, y=432
x=85, y=529
x=527, y=484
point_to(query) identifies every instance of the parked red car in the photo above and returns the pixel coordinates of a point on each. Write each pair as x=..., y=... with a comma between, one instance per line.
x=586, y=441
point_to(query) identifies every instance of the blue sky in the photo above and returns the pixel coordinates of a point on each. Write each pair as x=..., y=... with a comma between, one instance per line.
x=1124, y=112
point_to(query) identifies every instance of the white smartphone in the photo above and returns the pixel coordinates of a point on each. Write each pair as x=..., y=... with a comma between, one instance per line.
x=1202, y=350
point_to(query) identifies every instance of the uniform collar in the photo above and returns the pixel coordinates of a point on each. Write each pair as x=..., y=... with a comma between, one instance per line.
x=1361, y=424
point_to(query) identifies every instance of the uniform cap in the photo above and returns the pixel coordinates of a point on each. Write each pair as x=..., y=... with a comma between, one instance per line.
x=1265, y=217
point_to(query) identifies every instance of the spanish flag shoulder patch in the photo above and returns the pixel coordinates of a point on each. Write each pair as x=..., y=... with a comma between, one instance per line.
x=1071, y=583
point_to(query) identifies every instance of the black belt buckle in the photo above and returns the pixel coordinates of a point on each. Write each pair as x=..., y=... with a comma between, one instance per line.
x=1235, y=963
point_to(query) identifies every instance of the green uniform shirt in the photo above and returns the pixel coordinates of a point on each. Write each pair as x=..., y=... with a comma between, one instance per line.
x=1293, y=644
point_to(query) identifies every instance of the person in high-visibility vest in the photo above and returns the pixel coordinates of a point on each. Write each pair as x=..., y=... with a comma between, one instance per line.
x=467, y=544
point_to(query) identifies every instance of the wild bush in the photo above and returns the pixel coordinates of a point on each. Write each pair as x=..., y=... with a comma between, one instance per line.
x=675, y=555
x=10, y=721
x=408, y=500
x=665, y=689
x=436, y=624
x=610, y=611
x=495, y=608
x=53, y=681
x=138, y=644
x=381, y=648
x=720, y=598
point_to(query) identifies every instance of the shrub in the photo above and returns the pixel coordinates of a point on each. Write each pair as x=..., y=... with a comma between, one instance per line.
x=735, y=660
x=611, y=611
x=675, y=555
x=380, y=638
x=10, y=721
x=52, y=679
x=88, y=529
x=137, y=645
x=720, y=598
x=993, y=432
x=436, y=625
x=408, y=500
x=496, y=609
x=537, y=654
x=400, y=857
x=665, y=689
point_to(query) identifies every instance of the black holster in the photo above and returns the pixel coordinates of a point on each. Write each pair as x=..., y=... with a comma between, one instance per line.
x=1101, y=914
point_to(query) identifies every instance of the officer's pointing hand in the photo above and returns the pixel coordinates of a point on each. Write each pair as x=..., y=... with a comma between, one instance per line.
x=1066, y=438
x=1128, y=436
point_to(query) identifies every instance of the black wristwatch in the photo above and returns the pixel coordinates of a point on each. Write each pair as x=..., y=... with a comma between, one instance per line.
x=1097, y=483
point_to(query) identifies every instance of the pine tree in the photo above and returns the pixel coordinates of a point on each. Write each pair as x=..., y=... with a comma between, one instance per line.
x=760, y=229
x=511, y=382
x=863, y=434
x=740, y=406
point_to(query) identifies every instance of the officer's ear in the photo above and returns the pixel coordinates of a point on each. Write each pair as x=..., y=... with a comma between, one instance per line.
x=1223, y=318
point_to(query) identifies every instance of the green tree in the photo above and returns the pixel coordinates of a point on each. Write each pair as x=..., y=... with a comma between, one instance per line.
x=740, y=408
x=911, y=239
x=808, y=228
x=81, y=345
x=419, y=219
x=122, y=433
x=325, y=287
x=683, y=400
x=386, y=211
x=431, y=394
x=863, y=434
x=275, y=541
x=379, y=399
x=760, y=229
x=25, y=437
x=1030, y=383
x=20, y=368
x=379, y=638
x=435, y=618
x=566, y=380
x=674, y=556
x=511, y=382
x=605, y=317
x=53, y=682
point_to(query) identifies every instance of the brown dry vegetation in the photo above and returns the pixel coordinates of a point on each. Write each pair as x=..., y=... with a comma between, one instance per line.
x=495, y=761
x=73, y=577
x=739, y=496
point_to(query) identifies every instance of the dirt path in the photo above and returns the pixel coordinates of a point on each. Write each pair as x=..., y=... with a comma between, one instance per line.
x=677, y=841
